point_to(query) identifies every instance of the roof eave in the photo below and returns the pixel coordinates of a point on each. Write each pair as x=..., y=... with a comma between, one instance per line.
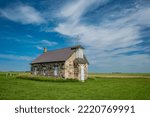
x=47, y=62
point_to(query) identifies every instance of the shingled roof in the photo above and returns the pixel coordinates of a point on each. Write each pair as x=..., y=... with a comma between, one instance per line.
x=56, y=55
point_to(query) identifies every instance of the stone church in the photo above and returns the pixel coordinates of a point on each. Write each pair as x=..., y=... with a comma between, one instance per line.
x=68, y=63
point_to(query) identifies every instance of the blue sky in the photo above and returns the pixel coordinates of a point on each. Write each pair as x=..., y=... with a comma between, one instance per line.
x=115, y=33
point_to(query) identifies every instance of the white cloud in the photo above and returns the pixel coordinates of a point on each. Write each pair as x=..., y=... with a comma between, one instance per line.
x=123, y=33
x=22, y=13
x=39, y=47
x=75, y=9
x=143, y=16
x=15, y=57
x=30, y=36
x=45, y=43
x=48, y=43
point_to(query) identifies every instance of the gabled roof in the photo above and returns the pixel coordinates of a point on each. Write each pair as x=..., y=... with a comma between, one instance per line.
x=56, y=55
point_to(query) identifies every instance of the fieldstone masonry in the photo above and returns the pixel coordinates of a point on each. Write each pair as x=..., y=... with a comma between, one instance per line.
x=69, y=69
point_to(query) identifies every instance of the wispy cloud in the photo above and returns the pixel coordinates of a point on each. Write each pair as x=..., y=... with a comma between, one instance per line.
x=15, y=57
x=22, y=13
x=48, y=43
x=29, y=36
x=110, y=39
x=39, y=47
x=45, y=43
x=74, y=10
x=39, y=44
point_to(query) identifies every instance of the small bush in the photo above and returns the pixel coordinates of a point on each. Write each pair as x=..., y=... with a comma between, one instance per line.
x=43, y=78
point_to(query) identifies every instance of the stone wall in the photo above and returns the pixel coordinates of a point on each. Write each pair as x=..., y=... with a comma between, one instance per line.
x=73, y=70
x=47, y=69
x=69, y=67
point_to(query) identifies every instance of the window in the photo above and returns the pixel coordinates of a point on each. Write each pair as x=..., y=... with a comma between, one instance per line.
x=44, y=71
x=35, y=70
x=55, y=70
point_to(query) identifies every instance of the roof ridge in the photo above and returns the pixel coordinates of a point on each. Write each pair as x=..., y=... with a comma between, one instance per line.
x=63, y=48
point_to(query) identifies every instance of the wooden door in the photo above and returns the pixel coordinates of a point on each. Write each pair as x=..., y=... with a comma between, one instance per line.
x=82, y=72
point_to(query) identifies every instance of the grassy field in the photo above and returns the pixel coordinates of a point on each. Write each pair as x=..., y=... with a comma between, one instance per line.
x=97, y=87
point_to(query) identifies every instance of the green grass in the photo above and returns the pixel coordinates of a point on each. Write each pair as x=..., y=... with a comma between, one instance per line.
x=94, y=88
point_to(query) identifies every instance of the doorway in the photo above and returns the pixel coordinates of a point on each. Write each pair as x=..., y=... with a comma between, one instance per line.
x=82, y=72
